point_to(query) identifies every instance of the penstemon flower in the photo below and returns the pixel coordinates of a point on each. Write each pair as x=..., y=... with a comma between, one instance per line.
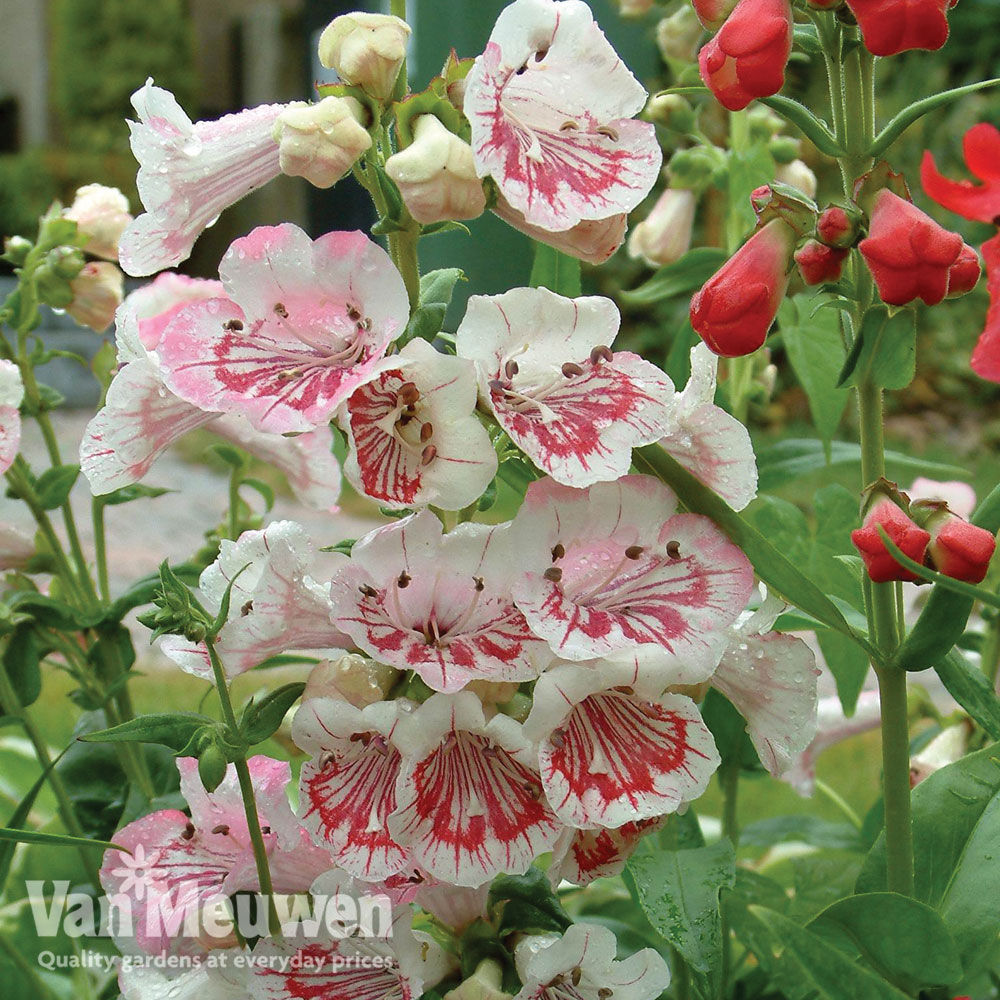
x=580, y=856
x=546, y=370
x=11, y=394
x=889, y=27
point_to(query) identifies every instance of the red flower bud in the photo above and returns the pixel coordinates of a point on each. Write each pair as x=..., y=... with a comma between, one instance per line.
x=836, y=228
x=905, y=534
x=819, y=263
x=746, y=59
x=892, y=26
x=735, y=308
x=964, y=273
x=909, y=254
x=959, y=549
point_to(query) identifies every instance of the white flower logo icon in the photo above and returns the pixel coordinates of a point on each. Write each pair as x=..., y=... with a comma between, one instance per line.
x=139, y=872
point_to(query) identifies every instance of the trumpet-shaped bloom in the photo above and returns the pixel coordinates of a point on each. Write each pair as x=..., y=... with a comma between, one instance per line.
x=348, y=788
x=610, y=753
x=889, y=27
x=178, y=864
x=771, y=679
x=551, y=108
x=189, y=173
x=275, y=604
x=580, y=856
x=581, y=965
x=627, y=573
x=547, y=371
x=413, y=433
x=469, y=800
x=141, y=418
x=981, y=145
x=438, y=604
x=11, y=394
x=710, y=443
x=305, y=324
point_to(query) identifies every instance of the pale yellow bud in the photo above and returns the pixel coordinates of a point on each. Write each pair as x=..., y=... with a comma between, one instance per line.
x=321, y=142
x=679, y=35
x=665, y=234
x=352, y=677
x=367, y=50
x=101, y=213
x=98, y=291
x=486, y=983
x=436, y=175
x=797, y=175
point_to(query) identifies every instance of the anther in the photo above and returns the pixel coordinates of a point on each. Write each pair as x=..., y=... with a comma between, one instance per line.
x=368, y=591
x=280, y=310
x=353, y=313
x=558, y=551
x=496, y=385
x=604, y=993
x=634, y=551
x=428, y=455
x=325, y=760
x=571, y=369
x=246, y=609
x=601, y=353
x=510, y=369
x=553, y=574
x=623, y=689
x=188, y=832
x=408, y=394
x=222, y=828
x=535, y=791
x=674, y=549
x=477, y=582
x=610, y=133
x=232, y=324
x=576, y=976
x=558, y=738
x=569, y=126
x=403, y=580
x=265, y=830
x=541, y=54
x=426, y=432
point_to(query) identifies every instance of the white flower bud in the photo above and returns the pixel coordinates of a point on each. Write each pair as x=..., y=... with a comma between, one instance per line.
x=797, y=175
x=665, y=234
x=97, y=292
x=367, y=50
x=677, y=36
x=352, y=677
x=320, y=142
x=436, y=175
x=486, y=983
x=16, y=548
x=101, y=213
x=635, y=8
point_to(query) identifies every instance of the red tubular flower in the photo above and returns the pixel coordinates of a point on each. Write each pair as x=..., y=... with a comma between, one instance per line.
x=735, y=308
x=905, y=534
x=986, y=356
x=959, y=549
x=964, y=273
x=746, y=59
x=836, y=228
x=909, y=254
x=889, y=27
x=818, y=263
x=981, y=146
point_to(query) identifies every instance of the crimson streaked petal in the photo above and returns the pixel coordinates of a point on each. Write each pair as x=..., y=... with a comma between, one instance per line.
x=581, y=856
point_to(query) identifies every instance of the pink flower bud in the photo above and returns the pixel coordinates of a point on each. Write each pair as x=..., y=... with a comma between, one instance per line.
x=836, y=228
x=908, y=253
x=736, y=306
x=958, y=549
x=665, y=234
x=746, y=59
x=892, y=26
x=712, y=13
x=101, y=214
x=905, y=534
x=367, y=50
x=97, y=292
x=321, y=142
x=436, y=175
x=819, y=263
x=964, y=273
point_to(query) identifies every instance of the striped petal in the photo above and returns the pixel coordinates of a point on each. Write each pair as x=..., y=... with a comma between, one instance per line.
x=581, y=856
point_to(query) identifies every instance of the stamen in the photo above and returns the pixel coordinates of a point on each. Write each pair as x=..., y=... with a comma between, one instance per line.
x=571, y=369
x=558, y=551
x=497, y=386
x=553, y=574
x=188, y=832
x=280, y=310
x=569, y=126
x=353, y=313
x=246, y=609
x=222, y=828
x=558, y=738
x=511, y=369
x=674, y=549
x=478, y=586
x=403, y=580
x=576, y=975
x=623, y=689
x=601, y=353
x=368, y=591
x=232, y=324
x=478, y=582
x=408, y=394
x=428, y=455
x=325, y=759
x=634, y=551
x=426, y=432
x=608, y=131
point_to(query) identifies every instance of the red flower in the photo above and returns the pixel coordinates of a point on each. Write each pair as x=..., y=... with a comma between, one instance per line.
x=909, y=254
x=836, y=228
x=819, y=263
x=964, y=273
x=746, y=59
x=735, y=308
x=959, y=549
x=981, y=146
x=905, y=534
x=892, y=26
x=986, y=356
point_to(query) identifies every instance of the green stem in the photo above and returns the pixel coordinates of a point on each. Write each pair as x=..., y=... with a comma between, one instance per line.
x=234, y=503
x=990, y=655
x=681, y=975
x=836, y=799
x=100, y=549
x=858, y=116
x=246, y=791
x=729, y=778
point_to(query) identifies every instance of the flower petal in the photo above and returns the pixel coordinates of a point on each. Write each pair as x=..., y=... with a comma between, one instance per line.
x=11, y=394
x=986, y=356
x=581, y=856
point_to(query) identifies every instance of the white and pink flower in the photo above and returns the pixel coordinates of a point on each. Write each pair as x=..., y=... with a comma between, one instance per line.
x=551, y=108
x=469, y=799
x=414, y=435
x=438, y=604
x=580, y=856
x=189, y=173
x=305, y=324
x=614, y=569
x=547, y=371
x=11, y=394
x=710, y=443
x=611, y=753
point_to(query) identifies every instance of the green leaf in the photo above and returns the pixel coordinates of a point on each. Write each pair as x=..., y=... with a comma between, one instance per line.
x=729, y=730
x=262, y=718
x=679, y=893
x=680, y=278
x=21, y=662
x=956, y=849
x=801, y=827
x=233, y=457
x=171, y=729
x=796, y=457
x=848, y=664
x=901, y=939
x=898, y=125
x=528, y=896
x=53, y=613
x=813, y=128
x=126, y=494
x=970, y=688
x=816, y=352
x=801, y=964
x=261, y=488
x=57, y=840
x=436, y=290
x=772, y=566
x=884, y=352
x=556, y=271
x=53, y=486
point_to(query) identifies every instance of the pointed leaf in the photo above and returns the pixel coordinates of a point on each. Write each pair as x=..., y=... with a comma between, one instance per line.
x=813, y=128
x=683, y=276
x=172, y=729
x=556, y=271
